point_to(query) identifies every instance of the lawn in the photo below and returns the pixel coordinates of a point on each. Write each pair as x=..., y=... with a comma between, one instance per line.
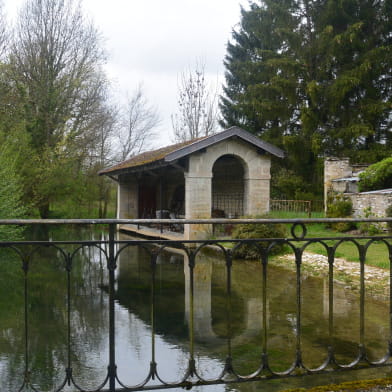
x=376, y=255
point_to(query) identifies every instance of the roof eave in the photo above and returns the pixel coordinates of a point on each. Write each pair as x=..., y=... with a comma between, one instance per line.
x=136, y=169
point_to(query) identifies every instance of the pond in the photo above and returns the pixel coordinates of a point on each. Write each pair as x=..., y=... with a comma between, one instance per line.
x=48, y=319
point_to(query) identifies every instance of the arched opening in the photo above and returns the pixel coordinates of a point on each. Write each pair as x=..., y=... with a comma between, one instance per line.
x=227, y=187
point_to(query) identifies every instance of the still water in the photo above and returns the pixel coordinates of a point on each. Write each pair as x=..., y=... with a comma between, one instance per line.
x=47, y=319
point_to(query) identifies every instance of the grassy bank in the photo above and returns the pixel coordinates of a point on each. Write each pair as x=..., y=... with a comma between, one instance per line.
x=382, y=384
x=377, y=253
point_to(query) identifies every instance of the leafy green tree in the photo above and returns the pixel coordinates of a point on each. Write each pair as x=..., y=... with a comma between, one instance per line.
x=55, y=64
x=11, y=194
x=313, y=77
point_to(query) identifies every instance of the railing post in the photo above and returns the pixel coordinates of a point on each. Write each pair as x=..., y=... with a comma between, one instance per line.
x=298, y=262
x=112, y=352
x=331, y=334
x=26, y=323
x=229, y=358
x=362, y=259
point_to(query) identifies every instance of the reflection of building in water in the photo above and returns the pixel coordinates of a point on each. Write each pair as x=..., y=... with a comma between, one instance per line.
x=201, y=299
x=210, y=300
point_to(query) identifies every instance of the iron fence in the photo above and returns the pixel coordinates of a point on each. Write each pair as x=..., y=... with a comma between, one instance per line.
x=305, y=206
x=111, y=248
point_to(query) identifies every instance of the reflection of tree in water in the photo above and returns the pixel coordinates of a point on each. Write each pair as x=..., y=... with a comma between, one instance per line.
x=134, y=290
x=47, y=317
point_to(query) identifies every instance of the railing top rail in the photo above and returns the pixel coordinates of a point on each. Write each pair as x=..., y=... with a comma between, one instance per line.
x=182, y=221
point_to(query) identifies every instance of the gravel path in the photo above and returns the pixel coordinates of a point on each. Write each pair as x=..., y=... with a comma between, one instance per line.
x=345, y=272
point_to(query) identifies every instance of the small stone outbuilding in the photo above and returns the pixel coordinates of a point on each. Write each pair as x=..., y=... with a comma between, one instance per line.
x=341, y=176
x=223, y=175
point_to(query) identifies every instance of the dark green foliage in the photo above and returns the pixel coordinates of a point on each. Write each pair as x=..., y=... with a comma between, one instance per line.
x=339, y=206
x=370, y=228
x=287, y=185
x=376, y=176
x=257, y=230
x=388, y=213
x=11, y=205
x=313, y=78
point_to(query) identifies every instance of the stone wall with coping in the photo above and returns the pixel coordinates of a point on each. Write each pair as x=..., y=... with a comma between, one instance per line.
x=377, y=202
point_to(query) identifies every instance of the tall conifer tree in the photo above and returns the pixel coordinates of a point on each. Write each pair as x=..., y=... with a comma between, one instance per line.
x=314, y=77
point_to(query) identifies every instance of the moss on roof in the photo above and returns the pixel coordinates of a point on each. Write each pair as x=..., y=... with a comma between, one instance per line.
x=148, y=157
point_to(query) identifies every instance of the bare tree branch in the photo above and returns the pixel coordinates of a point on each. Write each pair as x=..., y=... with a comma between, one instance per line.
x=197, y=106
x=139, y=122
x=3, y=32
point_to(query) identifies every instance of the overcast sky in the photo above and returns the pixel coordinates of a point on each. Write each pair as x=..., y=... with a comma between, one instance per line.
x=153, y=41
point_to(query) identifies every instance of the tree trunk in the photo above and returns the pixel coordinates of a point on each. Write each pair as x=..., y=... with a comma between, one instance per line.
x=44, y=209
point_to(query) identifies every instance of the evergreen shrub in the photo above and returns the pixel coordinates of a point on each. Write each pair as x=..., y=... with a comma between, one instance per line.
x=339, y=206
x=255, y=231
x=376, y=176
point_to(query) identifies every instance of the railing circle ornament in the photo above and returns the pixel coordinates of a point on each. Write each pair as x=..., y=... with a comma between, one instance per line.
x=302, y=234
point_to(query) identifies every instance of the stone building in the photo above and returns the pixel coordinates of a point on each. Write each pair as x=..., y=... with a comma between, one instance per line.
x=223, y=175
x=342, y=177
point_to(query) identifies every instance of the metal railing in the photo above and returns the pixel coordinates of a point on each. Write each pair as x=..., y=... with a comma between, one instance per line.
x=112, y=247
x=305, y=206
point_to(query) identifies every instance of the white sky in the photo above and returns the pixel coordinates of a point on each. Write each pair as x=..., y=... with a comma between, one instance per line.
x=153, y=41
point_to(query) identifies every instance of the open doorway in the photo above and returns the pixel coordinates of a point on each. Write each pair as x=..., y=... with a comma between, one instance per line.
x=228, y=187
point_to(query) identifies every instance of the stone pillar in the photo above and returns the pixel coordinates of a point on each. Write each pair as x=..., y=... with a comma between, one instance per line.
x=197, y=205
x=257, y=186
x=127, y=199
x=257, y=196
x=335, y=168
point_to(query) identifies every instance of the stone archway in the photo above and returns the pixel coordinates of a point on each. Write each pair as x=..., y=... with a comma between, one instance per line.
x=255, y=175
x=228, y=187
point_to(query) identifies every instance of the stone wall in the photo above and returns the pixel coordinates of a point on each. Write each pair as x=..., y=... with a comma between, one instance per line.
x=378, y=202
